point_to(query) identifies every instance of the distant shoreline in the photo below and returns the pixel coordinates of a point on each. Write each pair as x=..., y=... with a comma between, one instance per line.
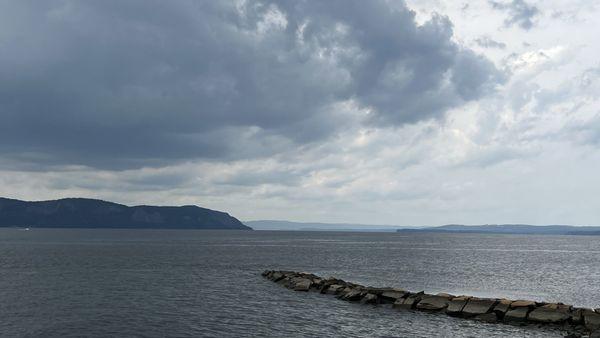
x=508, y=229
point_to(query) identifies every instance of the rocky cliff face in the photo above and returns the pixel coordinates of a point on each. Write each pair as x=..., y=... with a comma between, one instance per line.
x=90, y=213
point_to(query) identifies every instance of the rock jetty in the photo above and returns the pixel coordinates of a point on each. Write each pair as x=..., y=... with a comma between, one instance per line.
x=578, y=322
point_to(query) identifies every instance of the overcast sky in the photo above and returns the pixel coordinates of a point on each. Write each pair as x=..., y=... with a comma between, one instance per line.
x=423, y=112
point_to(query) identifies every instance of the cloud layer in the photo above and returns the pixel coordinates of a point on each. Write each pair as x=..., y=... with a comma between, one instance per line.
x=123, y=84
x=383, y=112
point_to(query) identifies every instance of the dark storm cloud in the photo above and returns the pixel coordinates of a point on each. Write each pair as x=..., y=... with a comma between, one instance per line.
x=519, y=13
x=117, y=84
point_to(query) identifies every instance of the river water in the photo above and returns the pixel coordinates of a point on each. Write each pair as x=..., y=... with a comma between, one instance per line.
x=186, y=283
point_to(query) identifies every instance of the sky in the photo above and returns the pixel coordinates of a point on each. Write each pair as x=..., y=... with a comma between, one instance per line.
x=424, y=112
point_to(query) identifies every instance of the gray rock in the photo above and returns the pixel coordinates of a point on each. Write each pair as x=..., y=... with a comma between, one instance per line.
x=517, y=315
x=591, y=320
x=327, y=283
x=391, y=297
x=551, y=313
x=409, y=302
x=522, y=303
x=456, y=305
x=502, y=307
x=445, y=295
x=369, y=298
x=301, y=284
x=577, y=316
x=276, y=276
x=354, y=295
x=595, y=334
x=487, y=317
x=478, y=306
x=284, y=281
x=333, y=289
x=433, y=303
x=344, y=291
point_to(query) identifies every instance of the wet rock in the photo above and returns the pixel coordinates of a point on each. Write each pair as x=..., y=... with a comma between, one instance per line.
x=276, y=276
x=487, y=317
x=456, y=305
x=550, y=313
x=317, y=283
x=333, y=289
x=517, y=315
x=354, y=295
x=502, y=307
x=542, y=315
x=301, y=284
x=433, y=303
x=522, y=303
x=478, y=306
x=391, y=297
x=284, y=281
x=591, y=320
x=577, y=316
x=445, y=295
x=326, y=283
x=409, y=302
x=369, y=298
x=345, y=290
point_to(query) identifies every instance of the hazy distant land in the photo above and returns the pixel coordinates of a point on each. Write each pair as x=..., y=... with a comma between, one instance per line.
x=450, y=228
x=312, y=226
x=91, y=213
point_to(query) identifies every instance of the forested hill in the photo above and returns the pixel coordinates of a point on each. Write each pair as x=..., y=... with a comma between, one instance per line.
x=92, y=213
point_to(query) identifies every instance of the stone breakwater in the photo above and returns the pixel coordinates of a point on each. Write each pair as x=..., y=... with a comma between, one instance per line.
x=576, y=321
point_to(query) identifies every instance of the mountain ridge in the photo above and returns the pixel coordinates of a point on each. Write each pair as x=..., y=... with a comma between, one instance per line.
x=77, y=212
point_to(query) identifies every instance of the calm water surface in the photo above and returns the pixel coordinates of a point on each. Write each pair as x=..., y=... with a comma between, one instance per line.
x=186, y=283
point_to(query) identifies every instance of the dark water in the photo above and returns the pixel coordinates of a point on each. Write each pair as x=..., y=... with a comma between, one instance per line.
x=207, y=283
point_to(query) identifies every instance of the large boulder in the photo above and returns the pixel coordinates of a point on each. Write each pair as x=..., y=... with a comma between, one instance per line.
x=517, y=315
x=591, y=320
x=333, y=289
x=478, y=306
x=317, y=284
x=577, y=316
x=550, y=313
x=433, y=303
x=456, y=305
x=392, y=296
x=409, y=302
x=276, y=276
x=284, y=281
x=369, y=298
x=327, y=283
x=502, y=307
x=354, y=295
x=301, y=284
